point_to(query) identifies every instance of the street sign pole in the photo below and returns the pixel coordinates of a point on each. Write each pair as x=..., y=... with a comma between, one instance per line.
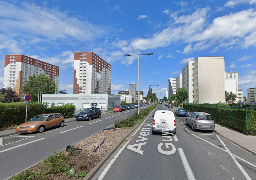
x=26, y=111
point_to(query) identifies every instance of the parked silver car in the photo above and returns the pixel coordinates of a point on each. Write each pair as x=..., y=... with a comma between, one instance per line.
x=200, y=120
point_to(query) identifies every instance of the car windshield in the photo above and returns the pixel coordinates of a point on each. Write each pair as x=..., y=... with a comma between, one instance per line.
x=204, y=117
x=39, y=118
x=85, y=111
x=117, y=106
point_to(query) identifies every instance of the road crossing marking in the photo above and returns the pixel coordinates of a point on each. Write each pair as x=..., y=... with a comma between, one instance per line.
x=99, y=120
x=71, y=129
x=175, y=138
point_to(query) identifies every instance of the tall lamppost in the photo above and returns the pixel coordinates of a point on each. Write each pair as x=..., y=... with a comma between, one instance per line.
x=152, y=93
x=139, y=76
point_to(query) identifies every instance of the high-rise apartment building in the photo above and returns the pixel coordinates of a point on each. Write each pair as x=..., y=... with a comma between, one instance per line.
x=251, y=95
x=18, y=68
x=240, y=97
x=231, y=83
x=179, y=81
x=171, y=86
x=92, y=74
x=209, y=80
x=188, y=80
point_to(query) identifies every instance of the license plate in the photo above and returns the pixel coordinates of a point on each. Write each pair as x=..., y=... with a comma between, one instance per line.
x=79, y=117
x=23, y=130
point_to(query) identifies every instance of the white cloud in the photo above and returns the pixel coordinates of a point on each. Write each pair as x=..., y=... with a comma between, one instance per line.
x=178, y=51
x=235, y=2
x=64, y=59
x=245, y=57
x=117, y=7
x=187, y=49
x=167, y=11
x=247, y=65
x=181, y=3
x=9, y=43
x=45, y=23
x=169, y=56
x=175, y=72
x=184, y=61
x=232, y=65
x=117, y=87
x=220, y=9
x=142, y=16
x=160, y=57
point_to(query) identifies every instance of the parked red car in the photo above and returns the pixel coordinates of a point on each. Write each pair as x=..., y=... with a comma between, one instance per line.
x=118, y=108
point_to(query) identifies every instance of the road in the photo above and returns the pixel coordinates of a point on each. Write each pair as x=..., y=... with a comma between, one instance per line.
x=187, y=155
x=21, y=151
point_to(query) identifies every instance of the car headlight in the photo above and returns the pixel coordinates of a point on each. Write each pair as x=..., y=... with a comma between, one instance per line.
x=32, y=126
x=17, y=126
x=85, y=115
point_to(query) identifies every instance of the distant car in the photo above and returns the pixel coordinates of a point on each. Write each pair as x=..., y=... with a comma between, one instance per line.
x=124, y=107
x=181, y=112
x=118, y=108
x=164, y=121
x=128, y=107
x=201, y=121
x=147, y=103
x=89, y=114
x=41, y=122
x=136, y=105
x=132, y=106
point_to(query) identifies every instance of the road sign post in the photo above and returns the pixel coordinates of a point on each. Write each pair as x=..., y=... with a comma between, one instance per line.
x=27, y=100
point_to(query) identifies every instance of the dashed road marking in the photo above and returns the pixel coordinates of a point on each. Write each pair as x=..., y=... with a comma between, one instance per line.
x=71, y=129
x=20, y=145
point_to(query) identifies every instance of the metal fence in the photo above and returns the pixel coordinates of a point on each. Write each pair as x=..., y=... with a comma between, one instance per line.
x=239, y=118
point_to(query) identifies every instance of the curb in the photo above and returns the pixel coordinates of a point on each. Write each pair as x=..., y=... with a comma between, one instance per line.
x=94, y=171
x=236, y=143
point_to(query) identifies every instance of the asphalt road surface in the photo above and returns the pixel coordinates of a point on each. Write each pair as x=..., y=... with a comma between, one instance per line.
x=189, y=155
x=21, y=151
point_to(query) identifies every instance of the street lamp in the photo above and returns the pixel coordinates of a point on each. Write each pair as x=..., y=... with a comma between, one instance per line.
x=152, y=93
x=139, y=76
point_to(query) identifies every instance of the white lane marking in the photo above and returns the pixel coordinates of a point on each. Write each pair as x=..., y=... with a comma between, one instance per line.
x=106, y=118
x=226, y=151
x=71, y=129
x=21, y=145
x=90, y=123
x=116, y=115
x=186, y=129
x=186, y=166
x=234, y=159
x=118, y=153
x=93, y=122
x=1, y=141
x=99, y=120
x=206, y=134
x=175, y=138
x=25, y=136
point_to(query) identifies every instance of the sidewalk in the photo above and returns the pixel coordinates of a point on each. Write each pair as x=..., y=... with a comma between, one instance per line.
x=244, y=141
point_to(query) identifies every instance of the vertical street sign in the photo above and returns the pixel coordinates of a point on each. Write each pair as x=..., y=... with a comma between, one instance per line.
x=27, y=100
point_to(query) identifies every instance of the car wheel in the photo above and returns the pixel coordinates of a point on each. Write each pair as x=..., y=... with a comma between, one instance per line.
x=40, y=129
x=153, y=132
x=89, y=118
x=192, y=127
x=61, y=124
x=99, y=116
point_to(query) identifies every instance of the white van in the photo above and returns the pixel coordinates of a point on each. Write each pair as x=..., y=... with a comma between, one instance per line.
x=164, y=121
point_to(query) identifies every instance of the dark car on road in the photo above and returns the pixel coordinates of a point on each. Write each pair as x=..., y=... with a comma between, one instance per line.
x=124, y=107
x=128, y=107
x=88, y=114
x=181, y=112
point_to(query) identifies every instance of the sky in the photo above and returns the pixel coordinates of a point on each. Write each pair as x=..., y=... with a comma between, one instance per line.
x=174, y=31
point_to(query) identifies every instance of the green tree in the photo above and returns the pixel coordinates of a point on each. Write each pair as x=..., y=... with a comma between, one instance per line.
x=8, y=95
x=181, y=95
x=230, y=96
x=171, y=98
x=245, y=99
x=39, y=85
x=165, y=98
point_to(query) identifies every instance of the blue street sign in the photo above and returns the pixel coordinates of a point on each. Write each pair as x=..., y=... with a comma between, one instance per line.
x=27, y=98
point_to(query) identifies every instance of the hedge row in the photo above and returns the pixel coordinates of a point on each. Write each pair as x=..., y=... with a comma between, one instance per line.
x=13, y=114
x=242, y=119
x=130, y=122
